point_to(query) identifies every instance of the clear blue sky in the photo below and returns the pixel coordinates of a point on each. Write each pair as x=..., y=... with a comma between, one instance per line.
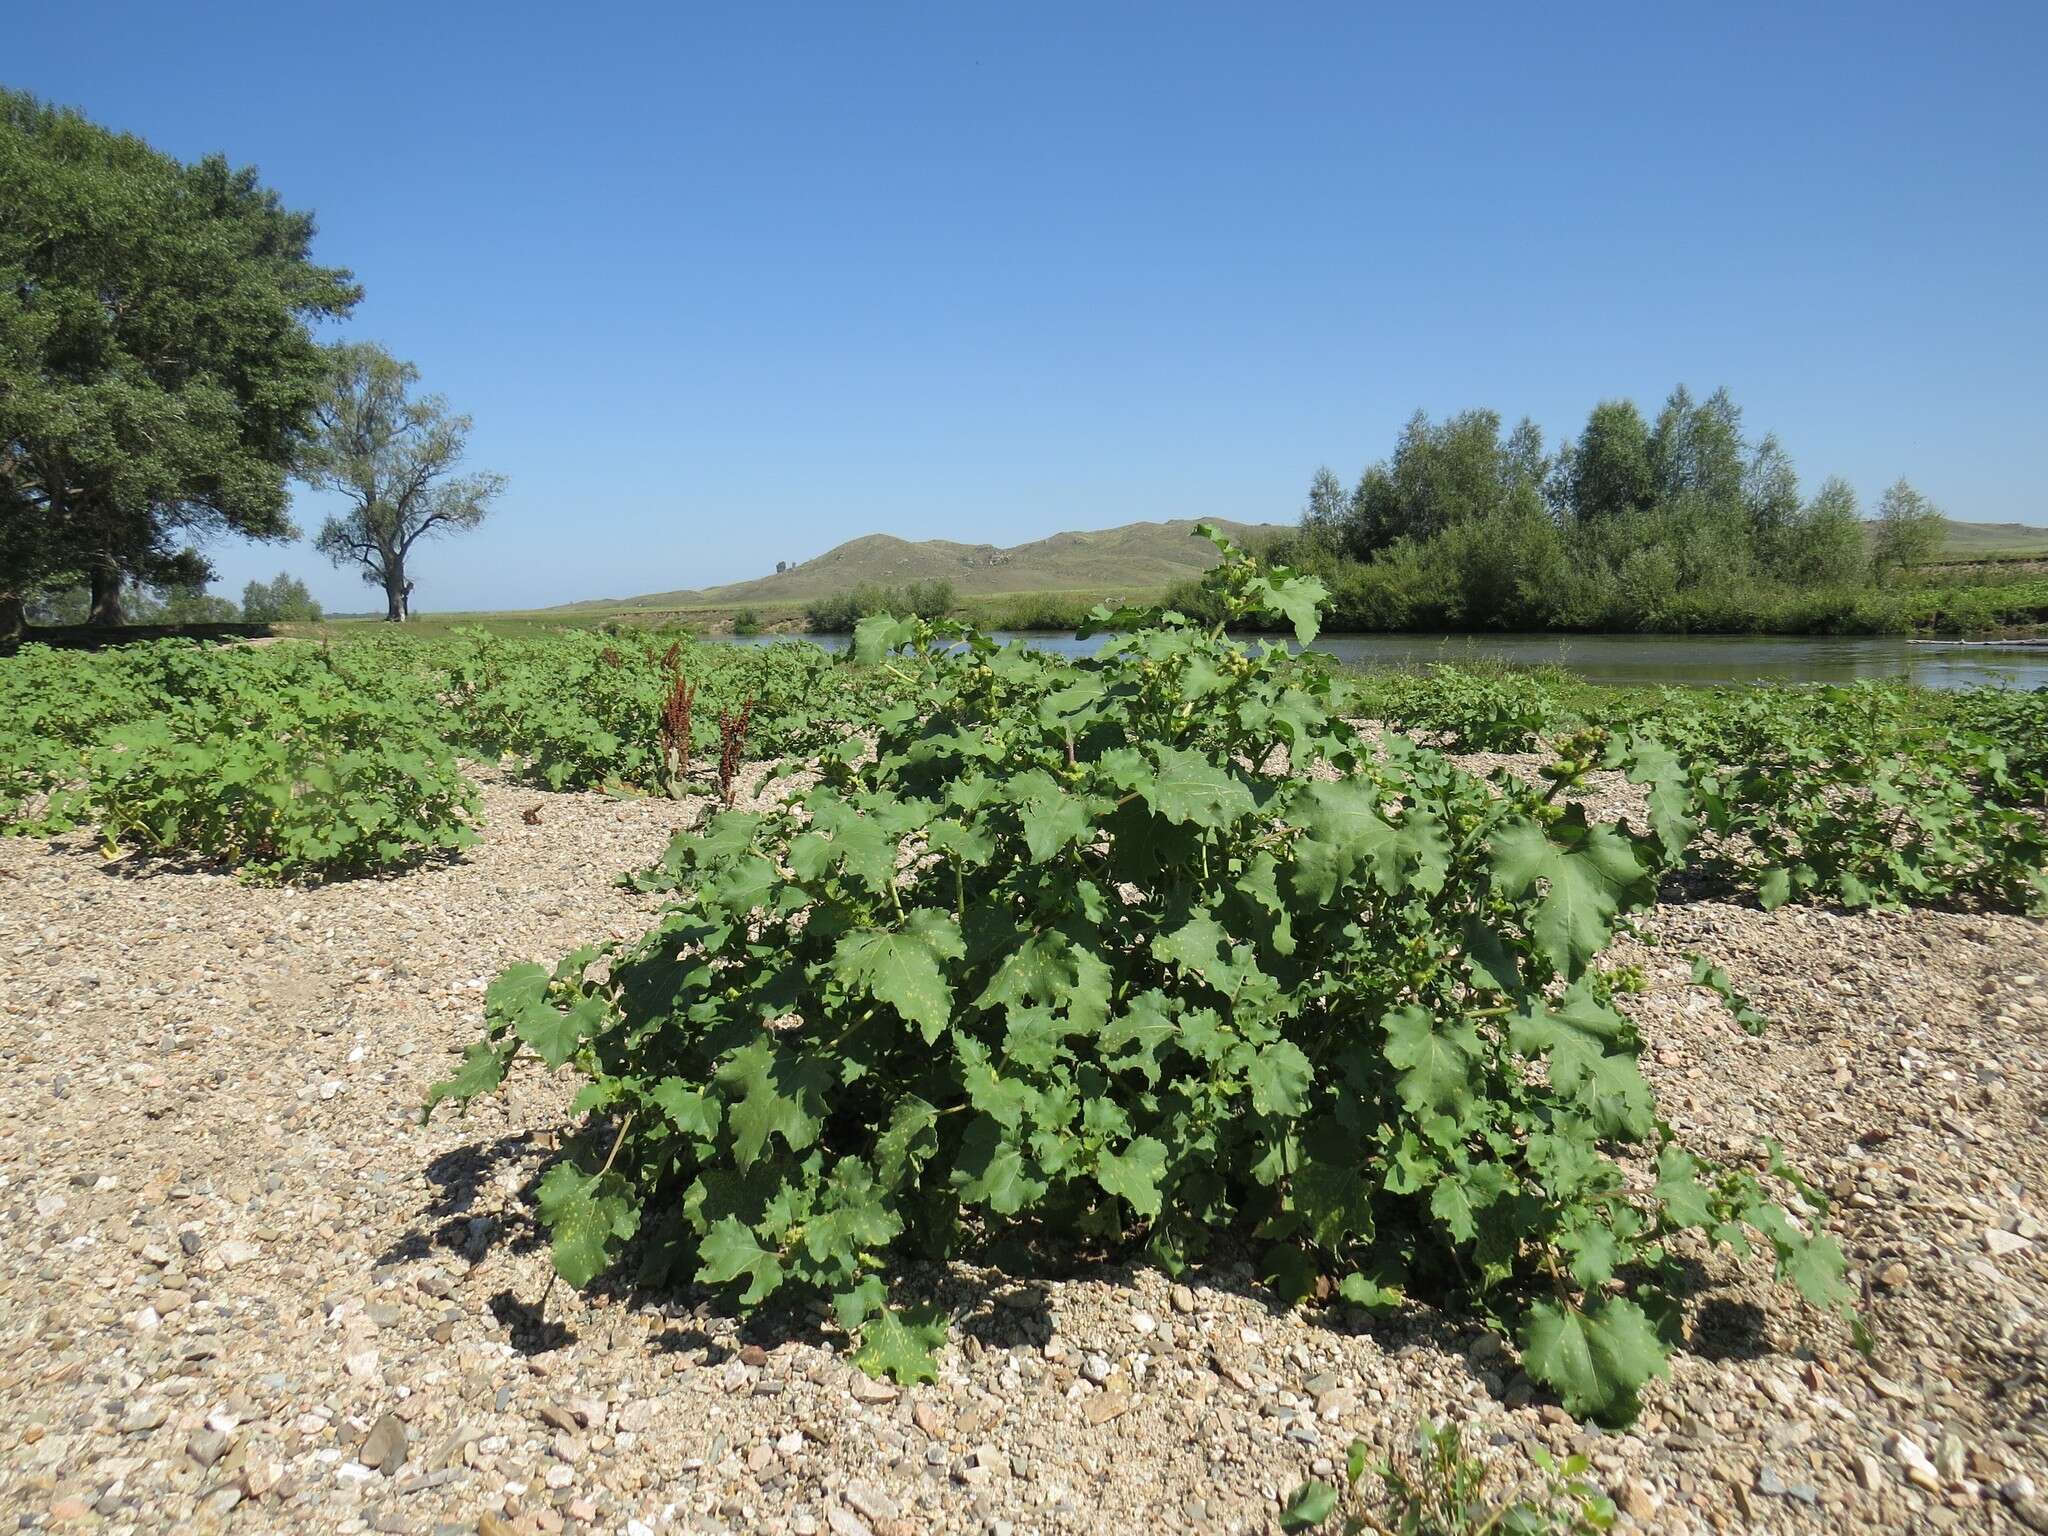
x=728, y=284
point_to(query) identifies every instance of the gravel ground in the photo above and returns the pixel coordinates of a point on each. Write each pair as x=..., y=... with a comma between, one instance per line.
x=242, y=1288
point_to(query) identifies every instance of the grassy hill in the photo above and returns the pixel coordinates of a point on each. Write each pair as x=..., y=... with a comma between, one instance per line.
x=1136, y=557
x=1979, y=541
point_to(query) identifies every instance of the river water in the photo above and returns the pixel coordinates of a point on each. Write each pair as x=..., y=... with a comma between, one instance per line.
x=1648, y=660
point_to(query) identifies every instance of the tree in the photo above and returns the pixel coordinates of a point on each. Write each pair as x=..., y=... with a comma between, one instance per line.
x=1696, y=449
x=1770, y=494
x=282, y=600
x=394, y=457
x=1910, y=530
x=1441, y=475
x=1327, y=512
x=1825, y=547
x=157, y=368
x=1610, y=465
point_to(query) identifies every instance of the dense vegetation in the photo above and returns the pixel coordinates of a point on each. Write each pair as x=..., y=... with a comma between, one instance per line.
x=1153, y=949
x=1680, y=524
x=311, y=762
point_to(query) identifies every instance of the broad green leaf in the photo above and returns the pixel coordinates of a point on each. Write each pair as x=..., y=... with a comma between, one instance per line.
x=482, y=1070
x=1280, y=1078
x=993, y=1172
x=1436, y=1064
x=1186, y=787
x=902, y=1344
x=1685, y=1200
x=902, y=968
x=1589, y=875
x=731, y=1252
x=1596, y=1359
x=587, y=1216
x=688, y=1107
x=770, y=1091
x=1134, y=1173
x=554, y=1034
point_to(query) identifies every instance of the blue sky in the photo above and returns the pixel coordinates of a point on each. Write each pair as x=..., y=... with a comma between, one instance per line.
x=724, y=285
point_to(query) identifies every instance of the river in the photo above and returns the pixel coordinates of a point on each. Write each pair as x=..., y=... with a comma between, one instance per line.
x=1647, y=660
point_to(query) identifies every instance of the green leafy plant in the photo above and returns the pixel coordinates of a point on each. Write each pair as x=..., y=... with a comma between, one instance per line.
x=1467, y=710
x=1149, y=951
x=1848, y=795
x=282, y=764
x=1441, y=1489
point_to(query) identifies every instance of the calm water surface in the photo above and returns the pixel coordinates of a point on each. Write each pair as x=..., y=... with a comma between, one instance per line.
x=1647, y=660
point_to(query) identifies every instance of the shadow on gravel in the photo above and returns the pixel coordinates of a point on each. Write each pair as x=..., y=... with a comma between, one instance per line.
x=450, y=1223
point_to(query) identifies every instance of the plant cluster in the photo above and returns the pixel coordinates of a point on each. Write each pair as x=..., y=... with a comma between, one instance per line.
x=1151, y=952
x=580, y=710
x=1851, y=795
x=1441, y=1489
x=1468, y=710
x=278, y=762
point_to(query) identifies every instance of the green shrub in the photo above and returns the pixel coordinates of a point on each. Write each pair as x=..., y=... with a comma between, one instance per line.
x=1067, y=958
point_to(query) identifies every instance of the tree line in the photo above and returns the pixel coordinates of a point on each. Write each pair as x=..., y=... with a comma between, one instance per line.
x=1678, y=523
x=161, y=383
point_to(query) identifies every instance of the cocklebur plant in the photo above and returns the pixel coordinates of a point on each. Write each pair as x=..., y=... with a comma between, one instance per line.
x=1147, y=951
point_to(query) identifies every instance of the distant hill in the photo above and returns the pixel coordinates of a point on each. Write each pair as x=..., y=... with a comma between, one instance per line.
x=1976, y=540
x=1136, y=557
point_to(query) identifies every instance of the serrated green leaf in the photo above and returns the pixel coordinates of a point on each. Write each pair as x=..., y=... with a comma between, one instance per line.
x=730, y=1252
x=1134, y=1173
x=1436, y=1062
x=482, y=1070
x=902, y=968
x=688, y=1107
x=1279, y=1077
x=769, y=1092
x=1596, y=1359
x=902, y=1344
x=587, y=1216
x=1589, y=875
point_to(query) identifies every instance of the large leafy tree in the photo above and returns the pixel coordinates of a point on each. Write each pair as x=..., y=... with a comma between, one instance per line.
x=1610, y=466
x=393, y=455
x=157, y=367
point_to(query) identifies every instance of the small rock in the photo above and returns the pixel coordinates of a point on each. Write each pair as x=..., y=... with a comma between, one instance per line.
x=385, y=1446
x=1101, y=1407
x=868, y=1501
x=206, y=1446
x=1183, y=1299
x=866, y=1389
x=1096, y=1368
x=2004, y=1244
x=143, y=1417
x=1768, y=1481
x=844, y=1522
